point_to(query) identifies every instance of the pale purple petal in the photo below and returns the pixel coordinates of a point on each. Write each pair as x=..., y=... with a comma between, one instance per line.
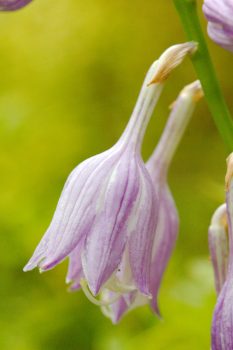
x=219, y=14
x=164, y=241
x=12, y=5
x=222, y=326
x=140, y=243
x=75, y=271
x=106, y=241
x=75, y=211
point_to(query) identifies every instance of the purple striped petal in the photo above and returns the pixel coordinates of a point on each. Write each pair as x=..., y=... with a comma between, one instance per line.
x=106, y=242
x=75, y=211
x=75, y=270
x=143, y=227
x=222, y=326
x=219, y=14
x=164, y=242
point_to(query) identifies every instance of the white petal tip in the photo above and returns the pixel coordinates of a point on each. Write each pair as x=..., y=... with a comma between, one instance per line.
x=68, y=280
x=28, y=267
x=193, y=90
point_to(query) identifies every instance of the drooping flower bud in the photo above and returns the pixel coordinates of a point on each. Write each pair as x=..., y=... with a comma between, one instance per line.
x=12, y=5
x=219, y=14
x=165, y=233
x=222, y=326
x=219, y=246
x=107, y=213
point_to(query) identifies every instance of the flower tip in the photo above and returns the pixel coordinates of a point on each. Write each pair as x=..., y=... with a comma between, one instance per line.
x=155, y=308
x=229, y=173
x=170, y=59
x=194, y=89
x=29, y=267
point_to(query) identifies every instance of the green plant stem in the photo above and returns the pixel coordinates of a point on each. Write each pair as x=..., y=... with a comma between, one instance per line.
x=187, y=10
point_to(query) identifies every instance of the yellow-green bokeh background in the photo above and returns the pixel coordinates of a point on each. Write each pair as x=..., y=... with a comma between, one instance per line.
x=70, y=72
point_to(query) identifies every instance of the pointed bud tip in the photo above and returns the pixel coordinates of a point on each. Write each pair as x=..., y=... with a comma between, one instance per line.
x=28, y=267
x=170, y=59
x=219, y=217
x=229, y=173
x=193, y=90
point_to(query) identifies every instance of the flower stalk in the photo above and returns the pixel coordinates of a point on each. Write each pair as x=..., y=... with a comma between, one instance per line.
x=203, y=65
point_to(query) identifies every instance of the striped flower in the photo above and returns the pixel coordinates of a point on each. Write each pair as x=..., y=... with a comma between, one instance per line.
x=106, y=217
x=165, y=233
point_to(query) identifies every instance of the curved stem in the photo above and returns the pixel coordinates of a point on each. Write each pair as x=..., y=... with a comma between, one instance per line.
x=187, y=10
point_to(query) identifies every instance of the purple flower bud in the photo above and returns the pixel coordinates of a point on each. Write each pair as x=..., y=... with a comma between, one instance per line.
x=165, y=233
x=222, y=326
x=219, y=246
x=12, y=5
x=107, y=213
x=219, y=14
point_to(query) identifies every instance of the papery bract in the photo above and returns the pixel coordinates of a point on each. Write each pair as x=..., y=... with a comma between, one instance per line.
x=107, y=213
x=219, y=14
x=12, y=5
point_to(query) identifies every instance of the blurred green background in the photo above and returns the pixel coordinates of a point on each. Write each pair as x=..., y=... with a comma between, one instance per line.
x=70, y=72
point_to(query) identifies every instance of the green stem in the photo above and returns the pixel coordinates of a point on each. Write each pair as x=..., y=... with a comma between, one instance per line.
x=187, y=10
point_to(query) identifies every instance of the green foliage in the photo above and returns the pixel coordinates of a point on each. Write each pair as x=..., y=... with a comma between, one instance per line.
x=70, y=74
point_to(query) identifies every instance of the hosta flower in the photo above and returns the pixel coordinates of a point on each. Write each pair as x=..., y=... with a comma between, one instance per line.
x=12, y=5
x=219, y=246
x=107, y=213
x=219, y=14
x=222, y=326
x=165, y=233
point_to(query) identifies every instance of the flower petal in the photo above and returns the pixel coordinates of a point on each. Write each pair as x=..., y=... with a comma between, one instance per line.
x=74, y=213
x=105, y=244
x=141, y=239
x=219, y=246
x=164, y=242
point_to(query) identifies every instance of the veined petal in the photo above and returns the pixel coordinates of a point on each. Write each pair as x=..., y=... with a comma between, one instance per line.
x=222, y=326
x=75, y=271
x=151, y=90
x=219, y=14
x=141, y=239
x=106, y=242
x=164, y=241
x=74, y=214
x=180, y=115
x=220, y=36
x=219, y=333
